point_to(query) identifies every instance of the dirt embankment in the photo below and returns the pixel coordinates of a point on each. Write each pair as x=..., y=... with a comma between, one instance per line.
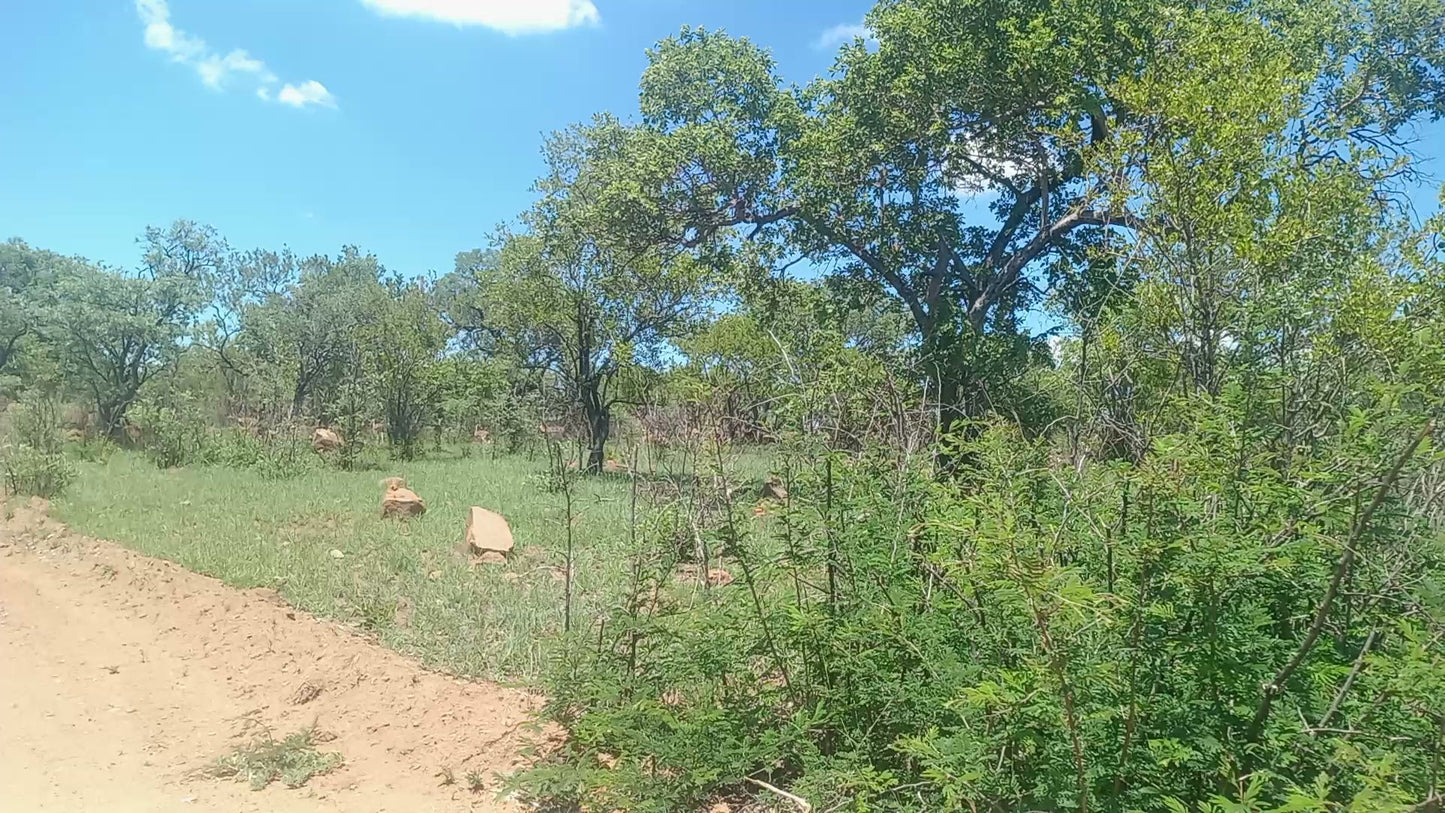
x=121, y=675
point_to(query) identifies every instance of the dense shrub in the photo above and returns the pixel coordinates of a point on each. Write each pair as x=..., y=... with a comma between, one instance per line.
x=32, y=453
x=278, y=455
x=515, y=423
x=92, y=448
x=1121, y=637
x=172, y=428
x=233, y=448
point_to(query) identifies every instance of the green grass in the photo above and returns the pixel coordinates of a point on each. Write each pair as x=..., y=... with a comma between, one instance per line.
x=399, y=580
x=263, y=760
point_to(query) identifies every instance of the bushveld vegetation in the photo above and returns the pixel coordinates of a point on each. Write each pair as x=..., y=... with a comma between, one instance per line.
x=1180, y=552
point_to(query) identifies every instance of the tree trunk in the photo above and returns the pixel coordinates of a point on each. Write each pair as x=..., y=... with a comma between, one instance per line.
x=7, y=350
x=298, y=400
x=950, y=410
x=112, y=420
x=961, y=393
x=599, y=426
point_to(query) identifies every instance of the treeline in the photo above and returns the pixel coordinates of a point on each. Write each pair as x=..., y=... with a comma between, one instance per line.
x=200, y=333
x=202, y=339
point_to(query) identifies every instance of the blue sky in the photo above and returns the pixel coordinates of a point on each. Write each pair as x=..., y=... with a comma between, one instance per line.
x=408, y=127
x=409, y=134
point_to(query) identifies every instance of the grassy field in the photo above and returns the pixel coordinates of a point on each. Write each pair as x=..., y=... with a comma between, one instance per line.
x=399, y=580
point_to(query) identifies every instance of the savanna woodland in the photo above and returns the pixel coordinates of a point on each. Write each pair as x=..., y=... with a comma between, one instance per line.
x=1041, y=411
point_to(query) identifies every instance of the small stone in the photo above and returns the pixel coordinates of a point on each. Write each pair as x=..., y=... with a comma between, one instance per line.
x=336, y=554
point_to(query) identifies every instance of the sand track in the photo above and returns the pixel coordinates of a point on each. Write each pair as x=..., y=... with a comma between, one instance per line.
x=120, y=675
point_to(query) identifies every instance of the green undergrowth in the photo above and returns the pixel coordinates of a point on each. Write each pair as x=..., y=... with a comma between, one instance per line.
x=293, y=760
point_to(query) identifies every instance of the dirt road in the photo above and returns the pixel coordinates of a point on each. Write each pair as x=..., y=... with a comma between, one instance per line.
x=121, y=675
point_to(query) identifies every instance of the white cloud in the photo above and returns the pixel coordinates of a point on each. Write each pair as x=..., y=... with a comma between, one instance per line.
x=217, y=70
x=162, y=36
x=308, y=92
x=508, y=16
x=839, y=34
x=214, y=69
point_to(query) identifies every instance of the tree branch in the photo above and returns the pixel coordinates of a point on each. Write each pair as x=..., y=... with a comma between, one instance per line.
x=900, y=285
x=1045, y=240
x=1275, y=686
x=797, y=800
x=1349, y=679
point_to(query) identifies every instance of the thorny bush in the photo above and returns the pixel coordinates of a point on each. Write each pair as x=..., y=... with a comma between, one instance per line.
x=1196, y=630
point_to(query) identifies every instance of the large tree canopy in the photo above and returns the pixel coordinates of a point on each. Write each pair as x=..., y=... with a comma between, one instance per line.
x=974, y=154
x=114, y=332
x=27, y=276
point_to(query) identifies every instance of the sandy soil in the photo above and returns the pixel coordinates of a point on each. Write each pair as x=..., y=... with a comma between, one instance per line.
x=120, y=675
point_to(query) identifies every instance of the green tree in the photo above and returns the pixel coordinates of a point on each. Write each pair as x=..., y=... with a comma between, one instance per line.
x=114, y=331
x=243, y=287
x=566, y=295
x=405, y=346
x=759, y=366
x=306, y=331
x=1028, y=106
x=26, y=275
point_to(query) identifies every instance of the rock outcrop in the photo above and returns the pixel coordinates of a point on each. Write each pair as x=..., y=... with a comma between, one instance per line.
x=326, y=440
x=400, y=501
x=488, y=536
